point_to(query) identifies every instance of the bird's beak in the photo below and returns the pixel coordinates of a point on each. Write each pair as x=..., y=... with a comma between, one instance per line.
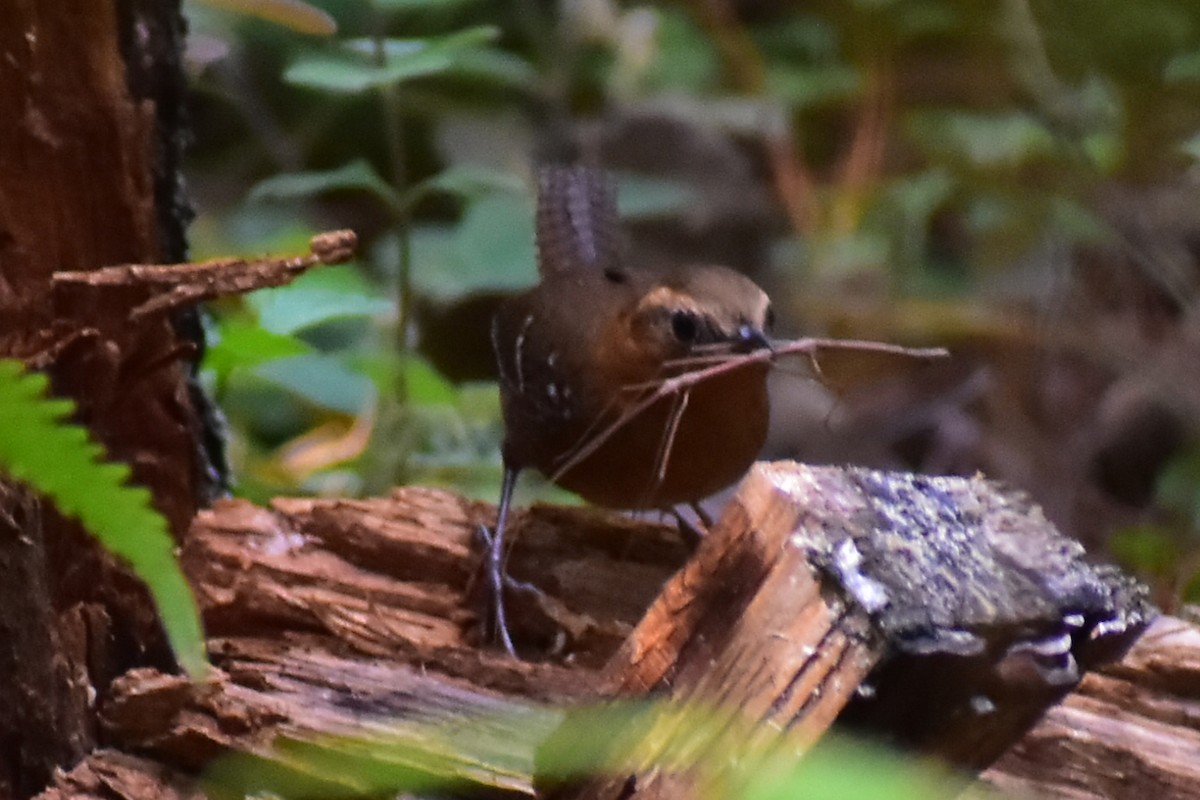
x=749, y=338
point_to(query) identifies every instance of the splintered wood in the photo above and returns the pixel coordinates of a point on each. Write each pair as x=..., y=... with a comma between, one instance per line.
x=813, y=574
x=822, y=597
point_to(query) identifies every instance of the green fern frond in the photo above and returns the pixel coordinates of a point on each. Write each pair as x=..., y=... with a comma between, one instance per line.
x=59, y=460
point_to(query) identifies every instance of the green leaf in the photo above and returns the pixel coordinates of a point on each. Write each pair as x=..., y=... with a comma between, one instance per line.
x=805, y=87
x=1146, y=549
x=492, y=249
x=425, y=385
x=999, y=141
x=841, y=769
x=494, y=66
x=353, y=68
x=59, y=460
x=1178, y=487
x=467, y=181
x=495, y=243
x=315, y=298
x=1191, y=146
x=799, y=38
x=919, y=194
x=325, y=381
x=420, y=5
x=1183, y=68
x=240, y=343
x=1190, y=593
x=358, y=175
x=686, y=58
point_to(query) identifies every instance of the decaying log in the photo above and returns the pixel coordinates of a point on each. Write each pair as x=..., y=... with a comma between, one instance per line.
x=112, y=775
x=982, y=611
x=336, y=614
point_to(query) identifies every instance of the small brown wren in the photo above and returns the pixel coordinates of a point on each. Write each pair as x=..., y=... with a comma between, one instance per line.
x=579, y=350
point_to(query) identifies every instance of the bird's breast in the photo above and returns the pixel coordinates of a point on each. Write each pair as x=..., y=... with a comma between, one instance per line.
x=682, y=448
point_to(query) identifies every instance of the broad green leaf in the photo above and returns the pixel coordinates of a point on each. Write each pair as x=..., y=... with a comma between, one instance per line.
x=240, y=343
x=1147, y=549
x=686, y=58
x=468, y=181
x=492, y=249
x=840, y=769
x=800, y=38
x=420, y=5
x=322, y=380
x=357, y=175
x=58, y=459
x=1190, y=593
x=1001, y=141
x=495, y=242
x=1191, y=146
x=294, y=14
x=425, y=385
x=494, y=66
x=353, y=68
x=317, y=297
x=1183, y=68
x=1178, y=487
x=804, y=87
x=918, y=195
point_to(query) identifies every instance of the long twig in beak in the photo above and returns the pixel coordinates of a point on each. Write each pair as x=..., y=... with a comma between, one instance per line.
x=726, y=363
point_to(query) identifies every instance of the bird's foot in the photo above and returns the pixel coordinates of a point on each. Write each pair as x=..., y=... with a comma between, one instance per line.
x=496, y=627
x=692, y=532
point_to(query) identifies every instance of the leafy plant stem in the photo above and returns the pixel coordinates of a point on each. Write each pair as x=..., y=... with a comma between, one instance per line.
x=390, y=107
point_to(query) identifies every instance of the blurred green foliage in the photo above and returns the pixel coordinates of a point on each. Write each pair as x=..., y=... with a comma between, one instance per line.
x=479, y=753
x=1166, y=551
x=920, y=150
x=925, y=149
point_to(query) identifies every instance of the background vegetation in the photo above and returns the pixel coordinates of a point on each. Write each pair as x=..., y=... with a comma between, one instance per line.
x=1014, y=179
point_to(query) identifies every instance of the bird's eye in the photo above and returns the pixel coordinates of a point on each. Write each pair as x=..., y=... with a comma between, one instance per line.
x=615, y=275
x=683, y=325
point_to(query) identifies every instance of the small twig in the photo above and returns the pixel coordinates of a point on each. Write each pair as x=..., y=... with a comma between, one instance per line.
x=175, y=285
x=667, y=443
x=686, y=380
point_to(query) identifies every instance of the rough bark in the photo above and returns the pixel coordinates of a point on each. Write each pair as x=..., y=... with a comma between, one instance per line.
x=88, y=178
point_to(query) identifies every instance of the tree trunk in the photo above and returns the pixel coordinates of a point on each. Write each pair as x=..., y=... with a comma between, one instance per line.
x=90, y=99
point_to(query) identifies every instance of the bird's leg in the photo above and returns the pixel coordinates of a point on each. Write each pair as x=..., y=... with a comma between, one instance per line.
x=702, y=514
x=691, y=532
x=494, y=565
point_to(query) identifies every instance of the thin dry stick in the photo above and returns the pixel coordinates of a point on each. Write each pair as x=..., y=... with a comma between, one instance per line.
x=174, y=285
x=686, y=380
x=667, y=443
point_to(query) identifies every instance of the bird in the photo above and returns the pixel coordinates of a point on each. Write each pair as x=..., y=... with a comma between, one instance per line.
x=581, y=355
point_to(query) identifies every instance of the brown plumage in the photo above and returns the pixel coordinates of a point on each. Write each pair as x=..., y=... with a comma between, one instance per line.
x=595, y=336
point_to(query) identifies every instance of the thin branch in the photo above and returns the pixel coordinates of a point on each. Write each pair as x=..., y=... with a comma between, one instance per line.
x=175, y=285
